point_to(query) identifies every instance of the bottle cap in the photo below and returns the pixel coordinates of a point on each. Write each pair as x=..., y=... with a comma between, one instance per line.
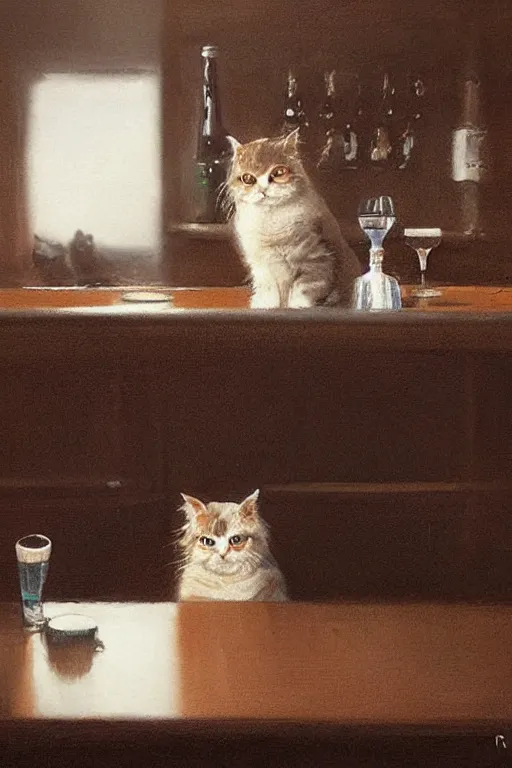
x=210, y=51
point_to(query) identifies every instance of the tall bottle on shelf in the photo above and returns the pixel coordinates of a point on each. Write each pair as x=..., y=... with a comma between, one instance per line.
x=293, y=116
x=214, y=150
x=408, y=121
x=470, y=150
x=353, y=116
x=381, y=141
x=342, y=129
x=330, y=141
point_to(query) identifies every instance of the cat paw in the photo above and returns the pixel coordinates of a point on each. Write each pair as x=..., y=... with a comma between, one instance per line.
x=300, y=302
x=263, y=302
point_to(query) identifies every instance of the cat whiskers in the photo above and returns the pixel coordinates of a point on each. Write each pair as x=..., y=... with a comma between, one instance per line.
x=225, y=201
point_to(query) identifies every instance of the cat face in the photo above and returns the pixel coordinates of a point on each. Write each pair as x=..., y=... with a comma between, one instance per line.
x=225, y=538
x=266, y=172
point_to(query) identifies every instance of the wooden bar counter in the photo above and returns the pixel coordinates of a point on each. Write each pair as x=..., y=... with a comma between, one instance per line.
x=381, y=442
x=453, y=298
x=213, y=684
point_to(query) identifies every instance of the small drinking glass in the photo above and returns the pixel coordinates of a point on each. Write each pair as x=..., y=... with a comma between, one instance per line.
x=33, y=556
x=422, y=241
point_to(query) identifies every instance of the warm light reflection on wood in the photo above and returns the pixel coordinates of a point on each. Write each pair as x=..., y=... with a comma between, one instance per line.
x=16, y=679
x=408, y=664
x=404, y=664
x=453, y=298
x=134, y=675
x=203, y=298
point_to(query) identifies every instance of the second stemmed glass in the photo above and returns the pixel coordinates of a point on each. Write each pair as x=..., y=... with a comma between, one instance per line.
x=423, y=241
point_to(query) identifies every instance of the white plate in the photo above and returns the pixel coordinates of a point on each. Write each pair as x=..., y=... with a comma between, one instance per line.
x=72, y=625
x=145, y=296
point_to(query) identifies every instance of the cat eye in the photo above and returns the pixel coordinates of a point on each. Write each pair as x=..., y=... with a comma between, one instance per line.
x=206, y=541
x=248, y=179
x=237, y=539
x=280, y=173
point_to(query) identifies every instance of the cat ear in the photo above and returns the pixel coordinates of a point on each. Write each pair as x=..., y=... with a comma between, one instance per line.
x=290, y=143
x=194, y=508
x=234, y=143
x=248, y=508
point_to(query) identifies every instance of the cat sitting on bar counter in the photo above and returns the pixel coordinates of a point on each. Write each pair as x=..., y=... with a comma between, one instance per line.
x=226, y=553
x=289, y=239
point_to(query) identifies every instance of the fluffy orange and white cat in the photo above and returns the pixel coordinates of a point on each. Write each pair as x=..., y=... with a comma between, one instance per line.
x=288, y=237
x=226, y=554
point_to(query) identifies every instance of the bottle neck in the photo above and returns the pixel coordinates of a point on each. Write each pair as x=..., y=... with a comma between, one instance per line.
x=376, y=258
x=387, y=105
x=212, y=117
x=329, y=83
x=291, y=89
x=471, y=103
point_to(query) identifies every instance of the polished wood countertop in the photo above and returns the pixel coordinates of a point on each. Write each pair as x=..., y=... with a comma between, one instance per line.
x=95, y=323
x=460, y=298
x=434, y=666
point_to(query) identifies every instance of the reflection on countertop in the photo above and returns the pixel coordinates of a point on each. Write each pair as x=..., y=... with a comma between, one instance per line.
x=125, y=299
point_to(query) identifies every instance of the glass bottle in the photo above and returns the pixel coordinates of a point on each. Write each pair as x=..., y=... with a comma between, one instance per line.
x=353, y=131
x=214, y=150
x=381, y=142
x=407, y=124
x=375, y=290
x=343, y=129
x=470, y=145
x=360, y=126
x=331, y=140
x=293, y=116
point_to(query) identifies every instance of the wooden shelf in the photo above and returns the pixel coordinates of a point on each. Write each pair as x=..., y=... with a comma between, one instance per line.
x=382, y=488
x=201, y=231
x=350, y=229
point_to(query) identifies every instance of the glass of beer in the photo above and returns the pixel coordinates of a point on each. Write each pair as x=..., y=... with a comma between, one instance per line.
x=33, y=556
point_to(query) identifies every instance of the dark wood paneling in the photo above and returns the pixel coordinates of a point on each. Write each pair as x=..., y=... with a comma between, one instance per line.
x=493, y=413
x=317, y=417
x=348, y=546
x=392, y=545
x=78, y=427
x=198, y=745
x=104, y=548
x=219, y=404
x=489, y=545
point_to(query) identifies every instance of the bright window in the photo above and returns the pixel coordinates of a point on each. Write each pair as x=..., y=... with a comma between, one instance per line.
x=94, y=159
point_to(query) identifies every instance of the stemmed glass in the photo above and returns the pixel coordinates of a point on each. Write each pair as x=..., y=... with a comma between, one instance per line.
x=422, y=241
x=374, y=289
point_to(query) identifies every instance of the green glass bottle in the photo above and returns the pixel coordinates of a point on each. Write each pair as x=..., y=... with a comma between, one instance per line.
x=214, y=150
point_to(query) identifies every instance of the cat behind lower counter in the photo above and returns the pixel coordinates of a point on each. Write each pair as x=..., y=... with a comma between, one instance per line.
x=226, y=553
x=288, y=238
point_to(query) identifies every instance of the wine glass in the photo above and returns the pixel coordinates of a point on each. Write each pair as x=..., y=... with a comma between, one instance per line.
x=376, y=217
x=374, y=289
x=423, y=241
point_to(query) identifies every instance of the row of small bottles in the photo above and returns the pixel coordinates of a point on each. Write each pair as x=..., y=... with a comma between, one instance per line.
x=357, y=130
x=349, y=136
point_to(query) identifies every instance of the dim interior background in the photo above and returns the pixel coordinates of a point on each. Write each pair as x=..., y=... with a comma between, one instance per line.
x=128, y=170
